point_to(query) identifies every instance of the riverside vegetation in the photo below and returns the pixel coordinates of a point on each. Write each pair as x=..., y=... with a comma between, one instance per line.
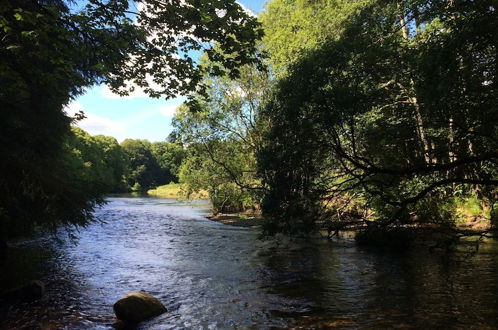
x=51, y=51
x=376, y=116
x=373, y=115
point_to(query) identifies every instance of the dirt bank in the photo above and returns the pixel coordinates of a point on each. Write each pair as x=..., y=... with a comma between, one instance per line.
x=239, y=219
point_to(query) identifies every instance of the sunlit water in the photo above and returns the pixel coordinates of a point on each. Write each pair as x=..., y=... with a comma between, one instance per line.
x=213, y=276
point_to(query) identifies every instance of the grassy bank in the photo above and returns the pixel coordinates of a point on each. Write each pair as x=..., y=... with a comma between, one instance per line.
x=174, y=190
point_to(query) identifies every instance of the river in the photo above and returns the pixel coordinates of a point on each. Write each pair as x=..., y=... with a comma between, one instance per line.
x=213, y=276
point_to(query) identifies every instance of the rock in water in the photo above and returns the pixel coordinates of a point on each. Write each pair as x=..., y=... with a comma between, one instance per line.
x=138, y=306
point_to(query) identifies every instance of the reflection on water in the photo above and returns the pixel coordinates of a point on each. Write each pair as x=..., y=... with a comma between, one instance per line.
x=212, y=276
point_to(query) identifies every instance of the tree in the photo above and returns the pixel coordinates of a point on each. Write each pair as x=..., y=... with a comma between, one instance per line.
x=144, y=169
x=114, y=162
x=396, y=114
x=169, y=157
x=50, y=52
x=294, y=27
x=104, y=162
x=222, y=134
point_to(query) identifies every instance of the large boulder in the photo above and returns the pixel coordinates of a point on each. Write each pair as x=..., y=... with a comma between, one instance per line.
x=138, y=306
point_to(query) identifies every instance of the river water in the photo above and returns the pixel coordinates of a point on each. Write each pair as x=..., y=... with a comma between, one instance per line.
x=213, y=276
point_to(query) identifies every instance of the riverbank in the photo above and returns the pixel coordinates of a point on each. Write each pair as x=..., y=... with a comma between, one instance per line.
x=248, y=219
x=237, y=219
x=174, y=191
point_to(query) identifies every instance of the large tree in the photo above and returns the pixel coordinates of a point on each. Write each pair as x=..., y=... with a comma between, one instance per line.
x=144, y=170
x=222, y=134
x=101, y=162
x=169, y=157
x=51, y=51
x=398, y=114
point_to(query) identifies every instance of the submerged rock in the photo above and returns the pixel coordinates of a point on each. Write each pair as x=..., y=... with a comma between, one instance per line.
x=29, y=291
x=138, y=306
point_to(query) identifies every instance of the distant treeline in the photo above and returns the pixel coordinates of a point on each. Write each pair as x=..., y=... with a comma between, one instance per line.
x=133, y=165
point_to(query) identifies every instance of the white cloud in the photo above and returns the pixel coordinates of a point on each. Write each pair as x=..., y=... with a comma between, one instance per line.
x=247, y=10
x=138, y=92
x=94, y=124
x=168, y=110
x=123, y=127
x=73, y=108
x=100, y=125
x=222, y=12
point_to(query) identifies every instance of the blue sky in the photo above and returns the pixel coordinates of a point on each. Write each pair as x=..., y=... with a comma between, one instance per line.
x=136, y=116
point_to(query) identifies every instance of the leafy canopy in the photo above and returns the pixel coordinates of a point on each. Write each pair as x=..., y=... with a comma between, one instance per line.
x=222, y=136
x=51, y=50
x=396, y=114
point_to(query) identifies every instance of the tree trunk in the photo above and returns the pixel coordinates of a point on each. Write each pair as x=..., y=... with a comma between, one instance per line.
x=420, y=128
x=417, y=115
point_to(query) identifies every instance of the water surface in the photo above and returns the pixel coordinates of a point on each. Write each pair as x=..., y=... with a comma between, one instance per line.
x=213, y=276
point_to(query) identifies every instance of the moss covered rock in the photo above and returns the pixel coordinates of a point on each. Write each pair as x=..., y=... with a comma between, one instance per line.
x=138, y=306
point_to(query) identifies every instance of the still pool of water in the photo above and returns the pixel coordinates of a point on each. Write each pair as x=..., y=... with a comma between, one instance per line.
x=213, y=276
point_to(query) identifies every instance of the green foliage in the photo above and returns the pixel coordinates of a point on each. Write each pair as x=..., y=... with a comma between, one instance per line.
x=38, y=75
x=50, y=52
x=143, y=166
x=169, y=157
x=472, y=206
x=175, y=191
x=218, y=168
x=397, y=107
x=493, y=215
x=171, y=31
x=468, y=209
x=222, y=133
x=104, y=161
x=151, y=164
x=57, y=191
x=294, y=27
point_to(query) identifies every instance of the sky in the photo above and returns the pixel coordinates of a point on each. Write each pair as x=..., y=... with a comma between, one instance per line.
x=135, y=116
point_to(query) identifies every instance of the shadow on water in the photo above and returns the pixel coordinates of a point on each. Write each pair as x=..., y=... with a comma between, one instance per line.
x=214, y=276
x=348, y=286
